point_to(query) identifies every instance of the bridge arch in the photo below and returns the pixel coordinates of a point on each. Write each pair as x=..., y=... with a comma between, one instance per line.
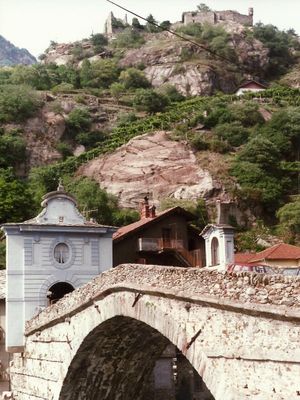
x=117, y=350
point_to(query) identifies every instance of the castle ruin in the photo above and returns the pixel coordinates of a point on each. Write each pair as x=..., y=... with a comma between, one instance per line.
x=215, y=17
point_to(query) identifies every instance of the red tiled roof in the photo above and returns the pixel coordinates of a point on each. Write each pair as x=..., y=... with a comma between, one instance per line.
x=281, y=251
x=252, y=83
x=242, y=257
x=125, y=230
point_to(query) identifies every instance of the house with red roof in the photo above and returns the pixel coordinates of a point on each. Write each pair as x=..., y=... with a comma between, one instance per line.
x=250, y=86
x=164, y=238
x=280, y=255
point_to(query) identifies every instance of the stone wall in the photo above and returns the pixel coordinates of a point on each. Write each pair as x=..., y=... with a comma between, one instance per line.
x=214, y=17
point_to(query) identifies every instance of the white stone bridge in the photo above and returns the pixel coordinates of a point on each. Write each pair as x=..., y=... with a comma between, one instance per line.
x=240, y=332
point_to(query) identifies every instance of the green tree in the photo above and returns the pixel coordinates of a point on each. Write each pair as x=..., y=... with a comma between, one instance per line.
x=289, y=218
x=17, y=103
x=133, y=78
x=150, y=27
x=233, y=132
x=149, y=100
x=116, y=90
x=15, y=199
x=165, y=25
x=136, y=24
x=98, y=39
x=203, y=7
x=12, y=150
x=79, y=119
x=279, y=44
x=99, y=74
x=129, y=38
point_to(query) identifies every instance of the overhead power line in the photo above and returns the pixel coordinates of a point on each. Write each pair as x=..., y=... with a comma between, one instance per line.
x=202, y=47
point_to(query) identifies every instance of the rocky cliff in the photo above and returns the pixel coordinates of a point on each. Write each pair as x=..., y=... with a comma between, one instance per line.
x=152, y=164
x=12, y=55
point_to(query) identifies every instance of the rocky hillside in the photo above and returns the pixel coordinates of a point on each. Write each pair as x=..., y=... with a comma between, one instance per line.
x=143, y=113
x=12, y=55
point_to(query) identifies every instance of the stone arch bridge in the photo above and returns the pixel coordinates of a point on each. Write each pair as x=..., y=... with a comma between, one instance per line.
x=240, y=332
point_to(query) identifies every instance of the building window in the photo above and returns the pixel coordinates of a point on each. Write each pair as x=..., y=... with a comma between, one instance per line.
x=215, y=258
x=61, y=253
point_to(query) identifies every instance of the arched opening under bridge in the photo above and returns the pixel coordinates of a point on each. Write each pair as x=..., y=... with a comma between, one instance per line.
x=126, y=359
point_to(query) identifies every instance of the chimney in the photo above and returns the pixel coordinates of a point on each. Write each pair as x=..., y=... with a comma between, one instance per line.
x=145, y=210
x=152, y=212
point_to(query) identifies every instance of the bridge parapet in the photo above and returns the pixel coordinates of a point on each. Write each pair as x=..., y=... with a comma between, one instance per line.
x=253, y=293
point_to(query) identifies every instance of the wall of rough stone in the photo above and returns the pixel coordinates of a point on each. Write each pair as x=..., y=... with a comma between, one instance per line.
x=235, y=330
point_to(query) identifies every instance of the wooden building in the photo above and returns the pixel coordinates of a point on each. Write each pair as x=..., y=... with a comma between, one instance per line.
x=164, y=238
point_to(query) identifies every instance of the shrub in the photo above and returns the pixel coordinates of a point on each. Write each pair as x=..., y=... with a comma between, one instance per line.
x=199, y=144
x=126, y=118
x=116, y=90
x=150, y=101
x=171, y=92
x=90, y=139
x=15, y=200
x=64, y=149
x=63, y=88
x=99, y=74
x=234, y=133
x=129, y=38
x=17, y=103
x=133, y=78
x=12, y=150
x=79, y=120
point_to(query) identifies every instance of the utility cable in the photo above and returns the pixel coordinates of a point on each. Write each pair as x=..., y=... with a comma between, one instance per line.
x=208, y=50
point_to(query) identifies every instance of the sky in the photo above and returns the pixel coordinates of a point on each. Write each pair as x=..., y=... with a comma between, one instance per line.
x=32, y=24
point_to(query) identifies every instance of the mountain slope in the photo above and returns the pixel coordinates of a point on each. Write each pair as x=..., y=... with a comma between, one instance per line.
x=12, y=55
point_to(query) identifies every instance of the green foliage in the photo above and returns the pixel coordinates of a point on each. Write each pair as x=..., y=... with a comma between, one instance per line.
x=63, y=88
x=2, y=255
x=289, y=218
x=234, y=133
x=12, y=150
x=15, y=199
x=247, y=240
x=283, y=130
x=98, y=41
x=199, y=144
x=99, y=74
x=116, y=90
x=90, y=139
x=64, y=149
x=97, y=203
x=165, y=25
x=136, y=23
x=171, y=92
x=79, y=119
x=133, y=78
x=17, y=103
x=195, y=207
x=203, y=7
x=191, y=29
x=129, y=38
x=150, y=101
x=279, y=44
x=149, y=25
x=262, y=152
x=126, y=118
x=78, y=51
x=122, y=217
x=246, y=113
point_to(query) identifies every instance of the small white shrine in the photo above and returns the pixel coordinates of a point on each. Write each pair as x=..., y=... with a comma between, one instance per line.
x=219, y=245
x=48, y=257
